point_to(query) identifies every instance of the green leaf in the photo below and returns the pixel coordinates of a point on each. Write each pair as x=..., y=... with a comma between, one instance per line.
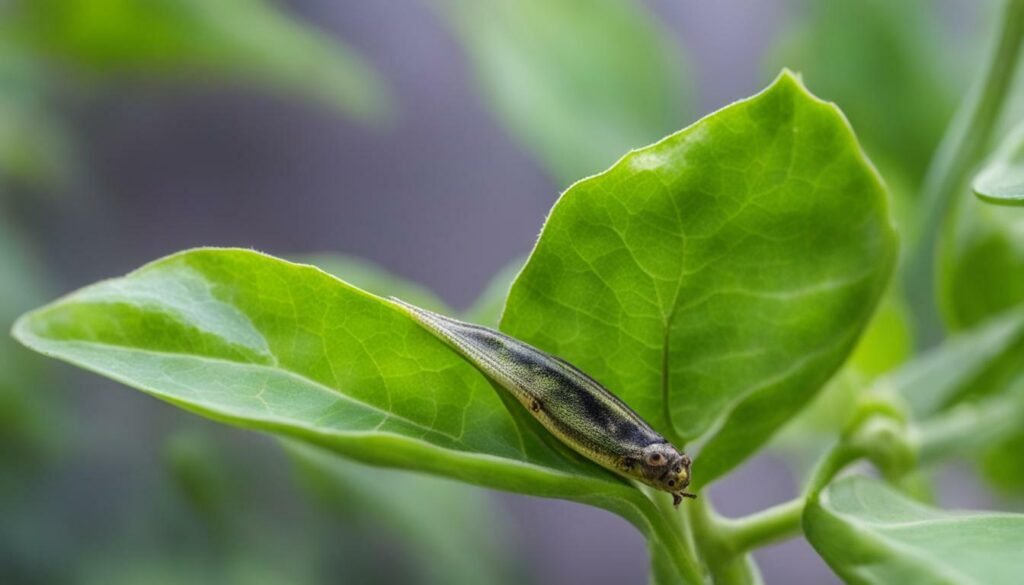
x=578, y=82
x=1002, y=180
x=845, y=63
x=452, y=529
x=1002, y=467
x=947, y=373
x=34, y=146
x=885, y=345
x=981, y=278
x=248, y=41
x=257, y=342
x=682, y=277
x=27, y=417
x=375, y=280
x=869, y=534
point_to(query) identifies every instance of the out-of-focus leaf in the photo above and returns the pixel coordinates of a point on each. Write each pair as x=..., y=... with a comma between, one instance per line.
x=258, y=342
x=681, y=278
x=200, y=475
x=487, y=308
x=249, y=41
x=28, y=422
x=886, y=343
x=1002, y=180
x=982, y=278
x=895, y=45
x=983, y=245
x=1002, y=465
x=870, y=534
x=938, y=378
x=969, y=427
x=450, y=527
x=34, y=147
x=375, y=280
x=578, y=82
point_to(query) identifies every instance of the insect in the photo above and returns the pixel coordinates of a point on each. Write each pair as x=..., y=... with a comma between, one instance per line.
x=570, y=404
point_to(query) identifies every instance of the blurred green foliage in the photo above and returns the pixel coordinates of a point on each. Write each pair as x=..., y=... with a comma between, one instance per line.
x=577, y=82
x=248, y=41
x=876, y=59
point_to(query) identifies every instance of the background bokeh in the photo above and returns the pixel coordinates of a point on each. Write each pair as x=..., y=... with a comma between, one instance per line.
x=425, y=136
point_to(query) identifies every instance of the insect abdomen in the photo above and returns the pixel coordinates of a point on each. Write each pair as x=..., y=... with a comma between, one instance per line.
x=566, y=401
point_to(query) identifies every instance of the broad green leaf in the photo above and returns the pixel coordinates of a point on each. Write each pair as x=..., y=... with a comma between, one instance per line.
x=870, y=534
x=716, y=279
x=885, y=345
x=900, y=46
x=257, y=342
x=249, y=41
x=452, y=529
x=375, y=280
x=1002, y=180
x=578, y=82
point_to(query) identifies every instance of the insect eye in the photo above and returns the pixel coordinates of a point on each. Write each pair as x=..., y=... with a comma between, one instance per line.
x=656, y=459
x=679, y=469
x=671, y=482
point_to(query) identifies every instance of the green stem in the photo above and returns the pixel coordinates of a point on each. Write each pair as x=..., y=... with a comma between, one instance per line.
x=838, y=457
x=765, y=527
x=961, y=149
x=727, y=565
x=667, y=529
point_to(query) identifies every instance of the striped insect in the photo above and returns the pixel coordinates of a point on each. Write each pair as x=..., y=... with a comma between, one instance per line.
x=568, y=403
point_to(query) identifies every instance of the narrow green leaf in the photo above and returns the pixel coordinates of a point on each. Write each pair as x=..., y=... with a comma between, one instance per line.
x=260, y=343
x=935, y=379
x=681, y=278
x=870, y=534
x=250, y=41
x=1002, y=180
x=578, y=82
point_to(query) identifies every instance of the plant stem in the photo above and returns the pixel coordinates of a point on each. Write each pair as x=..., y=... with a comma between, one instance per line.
x=727, y=565
x=838, y=457
x=765, y=527
x=961, y=149
x=667, y=529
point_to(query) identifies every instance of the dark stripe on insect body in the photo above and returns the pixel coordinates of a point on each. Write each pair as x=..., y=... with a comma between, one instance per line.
x=569, y=403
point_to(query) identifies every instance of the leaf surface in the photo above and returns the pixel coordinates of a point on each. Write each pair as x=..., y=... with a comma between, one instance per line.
x=870, y=534
x=257, y=342
x=715, y=280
